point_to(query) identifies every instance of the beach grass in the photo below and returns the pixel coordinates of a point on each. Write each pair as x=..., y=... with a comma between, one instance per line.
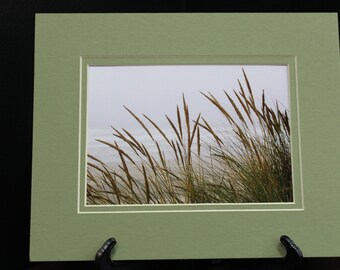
x=250, y=164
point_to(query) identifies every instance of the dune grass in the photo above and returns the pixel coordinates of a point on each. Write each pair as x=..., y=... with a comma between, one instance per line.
x=251, y=164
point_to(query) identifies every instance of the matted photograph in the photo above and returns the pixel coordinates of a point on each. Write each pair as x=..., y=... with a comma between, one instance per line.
x=188, y=134
x=173, y=132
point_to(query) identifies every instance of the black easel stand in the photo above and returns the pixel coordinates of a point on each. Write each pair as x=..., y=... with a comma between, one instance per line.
x=292, y=260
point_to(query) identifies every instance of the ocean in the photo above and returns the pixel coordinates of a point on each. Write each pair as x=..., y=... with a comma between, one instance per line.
x=109, y=155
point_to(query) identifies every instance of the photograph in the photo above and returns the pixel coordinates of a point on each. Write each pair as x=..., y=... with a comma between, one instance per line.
x=183, y=136
x=188, y=134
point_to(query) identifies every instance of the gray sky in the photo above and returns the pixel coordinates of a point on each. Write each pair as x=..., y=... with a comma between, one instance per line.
x=156, y=90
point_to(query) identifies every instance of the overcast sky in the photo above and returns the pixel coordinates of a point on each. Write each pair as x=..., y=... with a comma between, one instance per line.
x=156, y=90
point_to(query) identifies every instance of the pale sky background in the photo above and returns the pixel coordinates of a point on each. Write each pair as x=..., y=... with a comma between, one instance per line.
x=156, y=90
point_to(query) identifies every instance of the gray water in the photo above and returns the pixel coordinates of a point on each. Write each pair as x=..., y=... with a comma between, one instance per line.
x=109, y=155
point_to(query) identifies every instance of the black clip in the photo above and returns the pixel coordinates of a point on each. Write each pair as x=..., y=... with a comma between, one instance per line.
x=294, y=256
x=292, y=260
